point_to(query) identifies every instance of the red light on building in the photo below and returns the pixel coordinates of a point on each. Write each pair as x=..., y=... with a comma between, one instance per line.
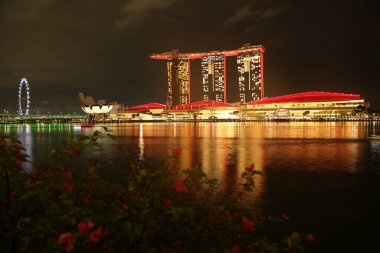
x=312, y=96
x=146, y=107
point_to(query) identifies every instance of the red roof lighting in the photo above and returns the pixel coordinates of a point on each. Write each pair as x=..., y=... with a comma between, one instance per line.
x=312, y=96
x=146, y=107
x=171, y=55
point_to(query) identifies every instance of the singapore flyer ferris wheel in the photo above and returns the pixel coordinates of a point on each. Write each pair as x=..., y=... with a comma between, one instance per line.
x=23, y=97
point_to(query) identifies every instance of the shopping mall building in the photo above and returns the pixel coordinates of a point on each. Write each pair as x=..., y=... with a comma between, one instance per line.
x=306, y=105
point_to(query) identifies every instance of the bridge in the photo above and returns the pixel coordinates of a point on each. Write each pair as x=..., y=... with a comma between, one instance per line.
x=41, y=118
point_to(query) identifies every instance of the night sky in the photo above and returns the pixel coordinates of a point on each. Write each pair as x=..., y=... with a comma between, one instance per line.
x=102, y=47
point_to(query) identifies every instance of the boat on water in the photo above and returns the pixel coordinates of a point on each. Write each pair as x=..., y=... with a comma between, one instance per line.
x=374, y=137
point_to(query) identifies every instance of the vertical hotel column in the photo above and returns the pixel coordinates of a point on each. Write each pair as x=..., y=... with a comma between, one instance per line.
x=189, y=78
x=213, y=74
x=169, y=98
x=262, y=71
x=225, y=79
x=183, y=81
x=206, y=68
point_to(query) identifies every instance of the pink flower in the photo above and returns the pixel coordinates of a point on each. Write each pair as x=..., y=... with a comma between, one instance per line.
x=73, y=150
x=250, y=168
x=309, y=237
x=235, y=249
x=13, y=194
x=67, y=187
x=174, y=167
x=90, y=224
x=19, y=161
x=237, y=215
x=248, y=225
x=97, y=234
x=84, y=227
x=168, y=203
x=211, y=218
x=285, y=216
x=180, y=186
x=193, y=189
x=91, y=167
x=33, y=173
x=29, y=181
x=176, y=152
x=251, y=250
x=67, y=240
x=84, y=200
x=69, y=175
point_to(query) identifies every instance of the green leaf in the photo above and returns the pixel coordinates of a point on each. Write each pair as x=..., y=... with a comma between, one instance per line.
x=127, y=227
x=73, y=221
x=111, y=136
x=83, y=138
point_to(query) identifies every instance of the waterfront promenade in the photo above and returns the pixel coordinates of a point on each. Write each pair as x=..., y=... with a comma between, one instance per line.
x=41, y=118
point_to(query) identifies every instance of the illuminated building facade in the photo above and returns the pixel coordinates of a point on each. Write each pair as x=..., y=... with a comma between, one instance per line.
x=250, y=77
x=214, y=81
x=98, y=110
x=300, y=106
x=305, y=105
x=178, y=81
x=213, y=78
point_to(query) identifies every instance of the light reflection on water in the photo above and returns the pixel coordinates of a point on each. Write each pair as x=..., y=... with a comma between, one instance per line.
x=229, y=146
x=26, y=142
x=225, y=149
x=38, y=139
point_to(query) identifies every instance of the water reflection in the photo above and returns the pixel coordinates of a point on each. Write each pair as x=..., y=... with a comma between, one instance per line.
x=26, y=140
x=141, y=142
x=224, y=150
x=24, y=133
x=375, y=155
x=38, y=139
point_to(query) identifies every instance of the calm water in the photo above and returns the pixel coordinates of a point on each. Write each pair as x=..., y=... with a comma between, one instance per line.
x=325, y=176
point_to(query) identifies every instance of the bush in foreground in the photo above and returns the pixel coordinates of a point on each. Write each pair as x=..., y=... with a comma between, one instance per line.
x=71, y=205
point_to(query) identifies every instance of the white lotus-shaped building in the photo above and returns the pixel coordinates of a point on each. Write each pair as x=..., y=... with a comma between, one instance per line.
x=97, y=108
x=91, y=107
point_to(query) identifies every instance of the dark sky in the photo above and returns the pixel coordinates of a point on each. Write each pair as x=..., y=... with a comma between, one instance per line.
x=102, y=47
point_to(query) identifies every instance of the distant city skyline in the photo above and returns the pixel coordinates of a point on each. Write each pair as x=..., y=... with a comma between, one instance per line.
x=103, y=48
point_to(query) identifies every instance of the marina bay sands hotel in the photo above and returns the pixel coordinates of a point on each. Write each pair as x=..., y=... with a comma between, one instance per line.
x=250, y=67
